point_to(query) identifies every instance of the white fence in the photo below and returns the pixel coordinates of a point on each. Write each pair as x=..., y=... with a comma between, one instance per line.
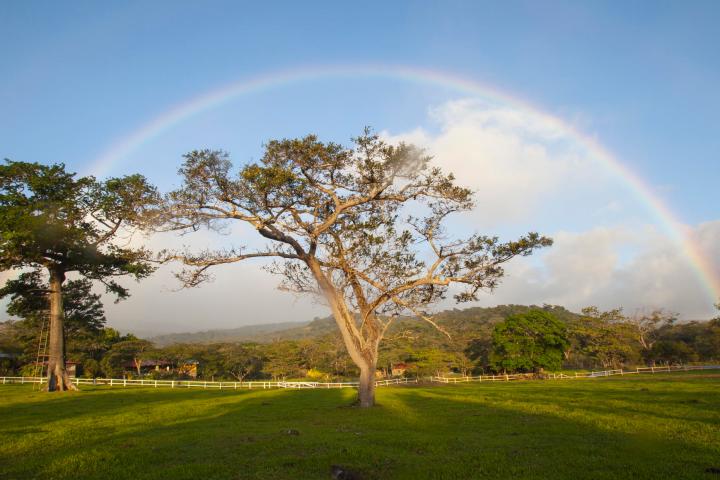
x=122, y=382
x=553, y=376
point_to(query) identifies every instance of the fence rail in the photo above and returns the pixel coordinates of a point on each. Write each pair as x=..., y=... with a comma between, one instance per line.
x=593, y=374
x=122, y=382
x=255, y=385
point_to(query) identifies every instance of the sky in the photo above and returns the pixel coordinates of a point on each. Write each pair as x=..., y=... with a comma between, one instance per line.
x=592, y=122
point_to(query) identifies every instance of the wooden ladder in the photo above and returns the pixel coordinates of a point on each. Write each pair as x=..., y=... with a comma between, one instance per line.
x=42, y=355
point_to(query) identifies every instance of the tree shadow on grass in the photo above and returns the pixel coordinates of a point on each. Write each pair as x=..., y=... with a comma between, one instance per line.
x=695, y=402
x=58, y=406
x=415, y=433
x=605, y=444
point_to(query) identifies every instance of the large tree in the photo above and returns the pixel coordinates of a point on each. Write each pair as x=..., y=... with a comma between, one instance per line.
x=647, y=326
x=133, y=351
x=53, y=221
x=528, y=342
x=604, y=337
x=360, y=228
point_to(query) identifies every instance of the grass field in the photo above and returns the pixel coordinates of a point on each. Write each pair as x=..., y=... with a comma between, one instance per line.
x=662, y=426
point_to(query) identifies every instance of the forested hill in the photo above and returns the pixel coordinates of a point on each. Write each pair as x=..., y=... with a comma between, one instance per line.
x=248, y=333
x=464, y=323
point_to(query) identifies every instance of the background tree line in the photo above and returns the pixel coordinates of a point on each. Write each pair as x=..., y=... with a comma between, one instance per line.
x=507, y=338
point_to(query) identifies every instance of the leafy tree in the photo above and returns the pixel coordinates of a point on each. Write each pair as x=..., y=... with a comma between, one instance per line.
x=83, y=310
x=479, y=350
x=707, y=343
x=9, y=349
x=283, y=359
x=54, y=222
x=528, y=342
x=338, y=228
x=241, y=361
x=604, y=337
x=672, y=352
x=433, y=361
x=646, y=326
x=132, y=351
x=91, y=368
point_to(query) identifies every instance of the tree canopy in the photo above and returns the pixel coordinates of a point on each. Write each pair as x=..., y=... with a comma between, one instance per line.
x=528, y=342
x=52, y=220
x=360, y=228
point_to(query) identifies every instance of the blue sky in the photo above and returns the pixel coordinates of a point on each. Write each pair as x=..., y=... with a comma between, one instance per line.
x=639, y=77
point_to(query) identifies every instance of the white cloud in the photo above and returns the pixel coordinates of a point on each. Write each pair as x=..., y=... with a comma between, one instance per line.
x=516, y=161
x=588, y=268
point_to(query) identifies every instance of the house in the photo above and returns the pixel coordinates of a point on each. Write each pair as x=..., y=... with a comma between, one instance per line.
x=148, y=366
x=398, y=369
x=187, y=368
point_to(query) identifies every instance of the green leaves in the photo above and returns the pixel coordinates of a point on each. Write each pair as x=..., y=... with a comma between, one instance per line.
x=529, y=341
x=50, y=218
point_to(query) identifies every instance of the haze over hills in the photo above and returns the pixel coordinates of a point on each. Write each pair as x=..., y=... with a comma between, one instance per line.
x=456, y=321
x=247, y=333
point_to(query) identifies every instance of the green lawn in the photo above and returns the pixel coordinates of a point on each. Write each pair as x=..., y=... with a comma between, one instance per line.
x=661, y=426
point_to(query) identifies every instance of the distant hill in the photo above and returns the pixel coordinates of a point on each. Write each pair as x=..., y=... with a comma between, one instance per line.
x=249, y=333
x=466, y=323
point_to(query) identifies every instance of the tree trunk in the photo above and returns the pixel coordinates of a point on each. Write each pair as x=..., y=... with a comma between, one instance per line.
x=366, y=389
x=57, y=376
x=364, y=358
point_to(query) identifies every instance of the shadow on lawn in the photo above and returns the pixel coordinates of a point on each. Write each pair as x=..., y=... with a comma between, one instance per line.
x=692, y=402
x=415, y=433
x=64, y=405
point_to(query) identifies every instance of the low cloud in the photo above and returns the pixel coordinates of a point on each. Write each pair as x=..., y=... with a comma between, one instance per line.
x=517, y=162
x=615, y=267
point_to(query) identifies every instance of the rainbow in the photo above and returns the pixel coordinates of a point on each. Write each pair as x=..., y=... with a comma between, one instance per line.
x=679, y=232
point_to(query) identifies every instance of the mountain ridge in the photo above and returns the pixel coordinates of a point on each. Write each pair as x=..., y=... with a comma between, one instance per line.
x=459, y=321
